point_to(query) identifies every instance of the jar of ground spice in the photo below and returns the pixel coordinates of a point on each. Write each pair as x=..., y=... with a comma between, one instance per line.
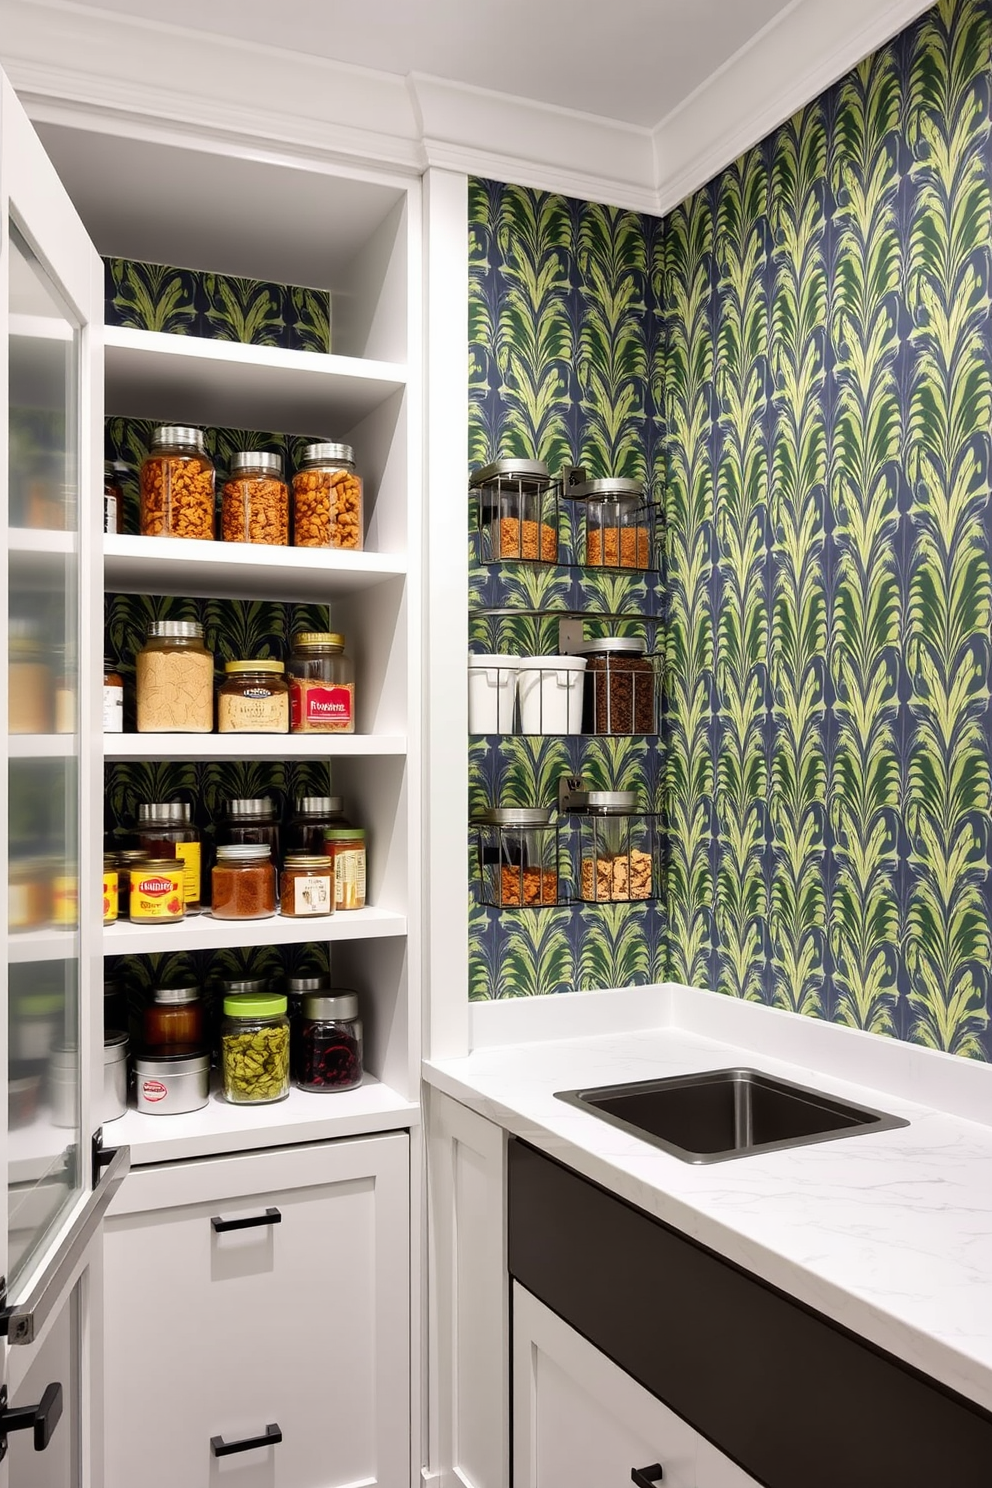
x=306, y=886
x=175, y=680
x=253, y=698
x=255, y=500
x=330, y=1041
x=518, y=511
x=322, y=685
x=620, y=687
x=327, y=498
x=177, y=485
x=243, y=883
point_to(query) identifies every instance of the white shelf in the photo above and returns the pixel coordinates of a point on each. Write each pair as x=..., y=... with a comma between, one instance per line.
x=176, y=565
x=194, y=380
x=41, y=746
x=250, y=746
x=42, y=541
x=203, y=933
x=41, y=945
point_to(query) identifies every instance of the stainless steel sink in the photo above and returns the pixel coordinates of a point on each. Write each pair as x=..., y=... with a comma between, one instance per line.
x=727, y=1113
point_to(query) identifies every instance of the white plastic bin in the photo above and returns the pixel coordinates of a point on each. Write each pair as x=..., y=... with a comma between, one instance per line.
x=492, y=692
x=549, y=689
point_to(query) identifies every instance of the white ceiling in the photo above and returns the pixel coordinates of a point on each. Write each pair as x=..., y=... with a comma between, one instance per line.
x=631, y=60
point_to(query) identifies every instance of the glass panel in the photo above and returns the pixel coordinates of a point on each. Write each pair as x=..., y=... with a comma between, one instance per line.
x=43, y=746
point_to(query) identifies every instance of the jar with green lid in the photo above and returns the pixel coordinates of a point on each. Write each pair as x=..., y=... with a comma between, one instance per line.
x=177, y=485
x=175, y=680
x=254, y=1046
x=327, y=498
x=253, y=698
x=322, y=685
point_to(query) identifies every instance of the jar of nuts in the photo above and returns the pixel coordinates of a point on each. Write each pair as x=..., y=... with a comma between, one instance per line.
x=255, y=500
x=177, y=485
x=327, y=496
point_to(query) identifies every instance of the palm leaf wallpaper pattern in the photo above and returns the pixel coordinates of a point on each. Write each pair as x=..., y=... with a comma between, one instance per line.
x=800, y=358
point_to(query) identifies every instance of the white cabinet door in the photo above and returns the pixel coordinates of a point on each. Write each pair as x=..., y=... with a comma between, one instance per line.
x=296, y=1323
x=578, y=1420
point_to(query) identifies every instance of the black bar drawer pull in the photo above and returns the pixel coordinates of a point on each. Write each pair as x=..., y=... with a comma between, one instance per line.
x=270, y=1217
x=647, y=1477
x=221, y=1448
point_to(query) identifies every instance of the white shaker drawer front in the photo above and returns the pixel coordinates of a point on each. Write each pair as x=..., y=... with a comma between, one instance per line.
x=218, y=1330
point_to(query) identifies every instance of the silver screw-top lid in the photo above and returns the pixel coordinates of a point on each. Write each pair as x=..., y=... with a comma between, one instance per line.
x=257, y=806
x=336, y=1005
x=514, y=816
x=257, y=460
x=298, y=986
x=243, y=852
x=319, y=805
x=535, y=470
x=176, y=994
x=164, y=811
x=327, y=453
x=605, y=803
x=612, y=488
x=174, y=629
x=252, y=986
x=619, y=645
x=178, y=434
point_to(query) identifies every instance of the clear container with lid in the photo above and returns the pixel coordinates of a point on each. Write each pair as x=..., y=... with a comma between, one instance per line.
x=113, y=495
x=30, y=679
x=175, y=1015
x=253, y=698
x=243, y=883
x=322, y=685
x=617, y=523
x=518, y=511
x=327, y=499
x=330, y=1042
x=617, y=844
x=175, y=680
x=113, y=699
x=311, y=817
x=255, y=500
x=250, y=821
x=620, y=687
x=177, y=485
x=306, y=885
x=254, y=1047
x=165, y=829
x=518, y=856
x=346, y=848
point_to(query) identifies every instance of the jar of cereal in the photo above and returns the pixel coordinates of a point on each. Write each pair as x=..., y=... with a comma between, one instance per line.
x=327, y=496
x=255, y=500
x=177, y=485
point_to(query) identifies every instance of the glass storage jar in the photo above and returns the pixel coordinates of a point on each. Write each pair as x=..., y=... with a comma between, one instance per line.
x=156, y=890
x=164, y=830
x=312, y=816
x=111, y=900
x=518, y=511
x=253, y=698
x=113, y=496
x=65, y=693
x=620, y=687
x=327, y=498
x=330, y=1042
x=175, y=680
x=306, y=886
x=255, y=500
x=177, y=485
x=322, y=685
x=30, y=683
x=518, y=856
x=244, y=883
x=113, y=699
x=250, y=822
x=29, y=893
x=175, y=1015
x=616, y=522
x=345, y=846
x=617, y=848
x=125, y=859
x=254, y=1048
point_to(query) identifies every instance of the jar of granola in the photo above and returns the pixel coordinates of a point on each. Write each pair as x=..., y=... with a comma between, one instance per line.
x=327, y=497
x=255, y=500
x=177, y=485
x=322, y=686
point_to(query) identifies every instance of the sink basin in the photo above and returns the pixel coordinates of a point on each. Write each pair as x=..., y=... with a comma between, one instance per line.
x=727, y=1113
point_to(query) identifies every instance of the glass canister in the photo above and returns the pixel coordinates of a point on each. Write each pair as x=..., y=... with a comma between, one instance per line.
x=620, y=687
x=255, y=500
x=243, y=883
x=253, y=698
x=518, y=511
x=113, y=699
x=126, y=859
x=250, y=822
x=310, y=819
x=164, y=829
x=113, y=496
x=345, y=846
x=30, y=682
x=175, y=680
x=327, y=499
x=156, y=891
x=306, y=886
x=518, y=856
x=254, y=1047
x=330, y=1042
x=177, y=485
x=617, y=852
x=175, y=1015
x=322, y=685
x=616, y=522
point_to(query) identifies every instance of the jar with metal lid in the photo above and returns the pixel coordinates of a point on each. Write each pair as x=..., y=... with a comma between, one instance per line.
x=66, y=693
x=245, y=986
x=254, y=1047
x=330, y=1042
x=322, y=685
x=620, y=687
x=177, y=485
x=156, y=891
x=244, y=883
x=617, y=847
x=518, y=856
x=306, y=886
x=113, y=496
x=111, y=900
x=327, y=499
x=255, y=500
x=253, y=698
x=30, y=683
x=175, y=1015
x=616, y=522
x=171, y=1082
x=175, y=680
x=113, y=699
x=126, y=859
x=345, y=846
x=164, y=830
x=310, y=819
x=518, y=511
x=36, y=1024
x=250, y=822
x=29, y=893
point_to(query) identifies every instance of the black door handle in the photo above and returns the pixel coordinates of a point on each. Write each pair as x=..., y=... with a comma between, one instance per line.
x=42, y=1419
x=270, y=1217
x=221, y=1448
x=647, y=1477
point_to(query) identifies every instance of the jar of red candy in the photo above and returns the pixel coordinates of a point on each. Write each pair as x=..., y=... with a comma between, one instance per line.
x=330, y=1042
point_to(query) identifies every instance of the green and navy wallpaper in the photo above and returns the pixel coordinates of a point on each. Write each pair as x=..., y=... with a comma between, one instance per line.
x=801, y=355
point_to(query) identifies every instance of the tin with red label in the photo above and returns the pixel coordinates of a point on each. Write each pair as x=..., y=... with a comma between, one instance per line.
x=157, y=891
x=169, y=1083
x=322, y=685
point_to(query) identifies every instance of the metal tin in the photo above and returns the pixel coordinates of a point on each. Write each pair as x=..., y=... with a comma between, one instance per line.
x=256, y=460
x=115, y=1046
x=609, y=488
x=608, y=803
x=505, y=816
x=514, y=469
x=177, y=434
x=169, y=1084
x=326, y=453
x=620, y=645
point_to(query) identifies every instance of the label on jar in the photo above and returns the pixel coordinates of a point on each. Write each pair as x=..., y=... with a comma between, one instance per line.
x=254, y=711
x=312, y=896
x=65, y=900
x=113, y=710
x=153, y=1090
x=110, y=900
x=320, y=708
x=157, y=896
x=188, y=853
x=349, y=877
x=110, y=511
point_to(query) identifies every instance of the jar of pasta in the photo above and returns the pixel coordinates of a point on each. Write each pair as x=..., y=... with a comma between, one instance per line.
x=177, y=485
x=175, y=680
x=253, y=698
x=255, y=500
x=322, y=685
x=327, y=498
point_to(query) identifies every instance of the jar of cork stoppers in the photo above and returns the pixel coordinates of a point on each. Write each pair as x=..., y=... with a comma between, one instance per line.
x=327, y=499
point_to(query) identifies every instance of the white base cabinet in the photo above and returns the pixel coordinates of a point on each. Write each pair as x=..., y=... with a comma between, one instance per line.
x=298, y=1322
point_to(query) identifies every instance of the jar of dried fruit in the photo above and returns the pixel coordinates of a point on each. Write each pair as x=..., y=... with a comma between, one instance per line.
x=177, y=485
x=322, y=685
x=518, y=511
x=518, y=856
x=617, y=523
x=254, y=1047
x=255, y=500
x=330, y=1042
x=175, y=680
x=327, y=499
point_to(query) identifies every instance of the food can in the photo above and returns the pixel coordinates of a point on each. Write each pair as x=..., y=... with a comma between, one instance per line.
x=114, y=1104
x=157, y=890
x=169, y=1084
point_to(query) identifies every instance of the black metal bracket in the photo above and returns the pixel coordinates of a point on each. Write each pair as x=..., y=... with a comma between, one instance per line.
x=647, y=1477
x=100, y=1156
x=42, y=1419
x=271, y=1437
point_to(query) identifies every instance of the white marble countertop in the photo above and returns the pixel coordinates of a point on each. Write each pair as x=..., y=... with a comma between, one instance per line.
x=888, y=1234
